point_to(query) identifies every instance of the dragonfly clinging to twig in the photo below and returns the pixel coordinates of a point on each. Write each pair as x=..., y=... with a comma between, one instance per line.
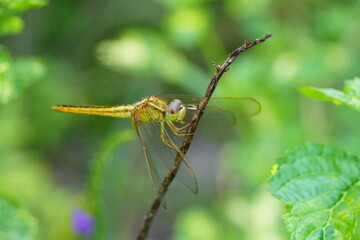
x=158, y=120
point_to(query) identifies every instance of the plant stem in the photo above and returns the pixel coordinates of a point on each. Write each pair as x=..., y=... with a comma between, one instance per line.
x=220, y=70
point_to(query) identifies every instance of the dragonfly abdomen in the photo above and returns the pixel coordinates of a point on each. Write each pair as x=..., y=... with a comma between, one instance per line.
x=121, y=111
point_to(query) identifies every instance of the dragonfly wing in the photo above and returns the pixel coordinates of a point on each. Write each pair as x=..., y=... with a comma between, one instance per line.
x=153, y=172
x=239, y=106
x=224, y=111
x=185, y=173
x=158, y=140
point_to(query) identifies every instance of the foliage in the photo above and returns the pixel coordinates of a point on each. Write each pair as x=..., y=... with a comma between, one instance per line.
x=350, y=95
x=117, y=52
x=318, y=183
x=141, y=51
x=320, y=186
x=16, y=75
x=197, y=224
x=10, y=11
x=96, y=176
x=16, y=222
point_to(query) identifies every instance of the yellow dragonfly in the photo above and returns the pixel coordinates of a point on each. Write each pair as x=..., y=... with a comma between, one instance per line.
x=158, y=121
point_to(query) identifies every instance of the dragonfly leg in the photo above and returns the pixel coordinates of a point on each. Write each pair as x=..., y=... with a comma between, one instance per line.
x=163, y=137
x=184, y=122
x=155, y=106
x=178, y=131
x=183, y=128
x=191, y=107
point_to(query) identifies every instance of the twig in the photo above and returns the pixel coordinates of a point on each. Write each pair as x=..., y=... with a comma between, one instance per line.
x=220, y=70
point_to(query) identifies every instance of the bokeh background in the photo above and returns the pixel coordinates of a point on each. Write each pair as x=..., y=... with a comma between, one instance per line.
x=116, y=52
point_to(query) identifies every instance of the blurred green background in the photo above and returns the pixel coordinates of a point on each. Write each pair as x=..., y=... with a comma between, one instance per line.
x=116, y=52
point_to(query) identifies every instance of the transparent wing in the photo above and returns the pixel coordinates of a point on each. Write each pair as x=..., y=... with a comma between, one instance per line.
x=222, y=111
x=153, y=172
x=158, y=144
x=229, y=110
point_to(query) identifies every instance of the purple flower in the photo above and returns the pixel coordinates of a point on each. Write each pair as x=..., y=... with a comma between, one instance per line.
x=82, y=222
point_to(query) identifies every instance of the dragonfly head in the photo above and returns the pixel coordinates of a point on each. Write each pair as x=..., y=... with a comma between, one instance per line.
x=175, y=110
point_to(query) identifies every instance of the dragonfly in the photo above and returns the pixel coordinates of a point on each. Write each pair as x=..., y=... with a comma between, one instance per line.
x=159, y=121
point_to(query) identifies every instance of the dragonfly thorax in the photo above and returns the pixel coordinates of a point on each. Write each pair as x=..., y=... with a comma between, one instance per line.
x=176, y=110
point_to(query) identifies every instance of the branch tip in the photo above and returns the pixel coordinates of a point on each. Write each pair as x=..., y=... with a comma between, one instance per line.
x=217, y=66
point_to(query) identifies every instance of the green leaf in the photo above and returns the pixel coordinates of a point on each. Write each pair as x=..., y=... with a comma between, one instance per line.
x=17, y=75
x=11, y=25
x=16, y=222
x=21, y=5
x=320, y=186
x=10, y=11
x=350, y=96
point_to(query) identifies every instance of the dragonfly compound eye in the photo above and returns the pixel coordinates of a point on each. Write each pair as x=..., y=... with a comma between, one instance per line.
x=174, y=106
x=175, y=110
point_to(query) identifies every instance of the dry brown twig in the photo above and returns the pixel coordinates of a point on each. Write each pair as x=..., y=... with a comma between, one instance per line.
x=220, y=70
